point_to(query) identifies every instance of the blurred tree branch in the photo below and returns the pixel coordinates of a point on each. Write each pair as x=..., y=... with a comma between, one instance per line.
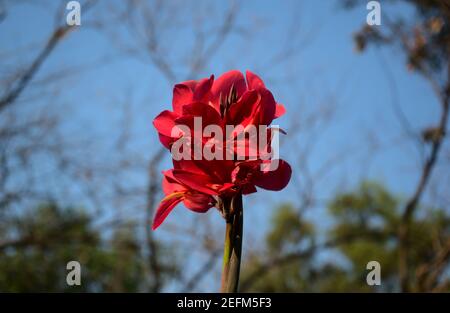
x=55, y=38
x=426, y=43
x=412, y=203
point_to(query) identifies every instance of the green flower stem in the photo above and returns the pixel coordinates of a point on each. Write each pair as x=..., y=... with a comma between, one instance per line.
x=232, y=246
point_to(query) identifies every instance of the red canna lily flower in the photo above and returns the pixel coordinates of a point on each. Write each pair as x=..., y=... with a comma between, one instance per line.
x=231, y=100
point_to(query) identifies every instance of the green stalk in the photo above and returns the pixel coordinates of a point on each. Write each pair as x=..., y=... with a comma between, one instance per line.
x=232, y=246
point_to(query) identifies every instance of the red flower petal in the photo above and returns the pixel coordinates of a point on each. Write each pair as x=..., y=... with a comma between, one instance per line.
x=188, y=165
x=223, y=85
x=254, y=81
x=217, y=170
x=182, y=94
x=267, y=107
x=244, y=110
x=170, y=185
x=208, y=114
x=199, y=182
x=198, y=202
x=241, y=171
x=165, y=207
x=202, y=90
x=276, y=179
x=165, y=122
x=280, y=110
x=255, y=107
x=165, y=140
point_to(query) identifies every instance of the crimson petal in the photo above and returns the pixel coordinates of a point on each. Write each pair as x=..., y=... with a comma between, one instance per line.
x=182, y=94
x=198, y=202
x=267, y=107
x=223, y=85
x=280, y=110
x=254, y=81
x=196, y=181
x=276, y=179
x=208, y=114
x=165, y=122
x=202, y=90
x=165, y=207
x=170, y=185
x=244, y=110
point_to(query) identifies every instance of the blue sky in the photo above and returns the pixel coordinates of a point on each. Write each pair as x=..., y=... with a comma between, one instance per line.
x=322, y=70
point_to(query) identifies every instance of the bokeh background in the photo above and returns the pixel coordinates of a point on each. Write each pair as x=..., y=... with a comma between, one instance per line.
x=80, y=163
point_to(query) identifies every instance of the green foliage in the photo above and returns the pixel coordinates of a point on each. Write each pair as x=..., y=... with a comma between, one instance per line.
x=289, y=233
x=288, y=230
x=49, y=237
x=365, y=228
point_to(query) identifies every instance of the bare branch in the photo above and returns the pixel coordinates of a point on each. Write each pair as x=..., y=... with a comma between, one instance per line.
x=412, y=203
x=55, y=38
